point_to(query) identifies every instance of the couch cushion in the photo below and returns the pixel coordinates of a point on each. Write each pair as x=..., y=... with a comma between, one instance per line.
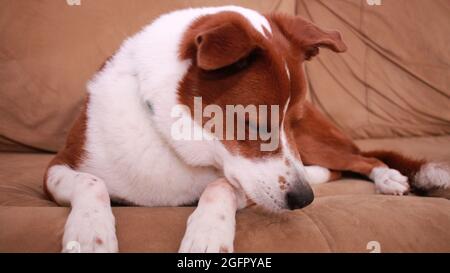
x=21, y=179
x=344, y=216
x=21, y=174
x=329, y=224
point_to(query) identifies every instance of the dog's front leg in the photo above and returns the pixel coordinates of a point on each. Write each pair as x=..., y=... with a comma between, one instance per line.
x=210, y=228
x=90, y=226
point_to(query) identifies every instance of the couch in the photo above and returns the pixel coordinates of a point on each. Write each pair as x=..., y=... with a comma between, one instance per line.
x=391, y=90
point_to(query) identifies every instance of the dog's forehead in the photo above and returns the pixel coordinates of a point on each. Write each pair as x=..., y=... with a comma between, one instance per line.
x=257, y=20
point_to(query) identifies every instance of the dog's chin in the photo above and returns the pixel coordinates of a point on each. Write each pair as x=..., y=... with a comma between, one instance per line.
x=269, y=205
x=261, y=200
x=271, y=211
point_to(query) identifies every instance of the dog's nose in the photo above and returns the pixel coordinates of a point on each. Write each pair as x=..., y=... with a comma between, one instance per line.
x=299, y=198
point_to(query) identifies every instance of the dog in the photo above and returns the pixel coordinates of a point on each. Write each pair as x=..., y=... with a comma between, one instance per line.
x=122, y=148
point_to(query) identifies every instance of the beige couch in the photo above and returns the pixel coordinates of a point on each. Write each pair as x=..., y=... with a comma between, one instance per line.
x=391, y=90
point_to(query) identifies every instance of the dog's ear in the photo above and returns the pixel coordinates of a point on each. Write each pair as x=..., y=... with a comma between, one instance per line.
x=222, y=45
x=308, y=36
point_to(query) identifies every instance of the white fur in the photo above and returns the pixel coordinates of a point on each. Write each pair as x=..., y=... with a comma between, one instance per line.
x=286, y=67
x=389, y=181
x=206, y=232
x=433, y=175
x=317, y=174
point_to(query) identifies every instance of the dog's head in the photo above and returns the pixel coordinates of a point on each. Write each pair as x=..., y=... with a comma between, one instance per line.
x=250, y=68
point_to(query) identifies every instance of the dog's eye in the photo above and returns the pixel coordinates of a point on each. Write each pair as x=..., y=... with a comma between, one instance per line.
x=236, y=67
x=246, y=61
x=243, y=63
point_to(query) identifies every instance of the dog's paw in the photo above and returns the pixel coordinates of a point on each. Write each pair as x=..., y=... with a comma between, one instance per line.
x=208, y=233
x=90, y=230
x=389, y=181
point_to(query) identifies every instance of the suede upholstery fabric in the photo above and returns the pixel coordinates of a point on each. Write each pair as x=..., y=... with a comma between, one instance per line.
x=344, y=217
x=389, y=91
x=394, y=79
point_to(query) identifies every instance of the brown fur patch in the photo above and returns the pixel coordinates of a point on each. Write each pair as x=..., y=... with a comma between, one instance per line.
x=98, y=241
x=73, y=151
x=257, y=76
x=335, y=175
x=282, y=183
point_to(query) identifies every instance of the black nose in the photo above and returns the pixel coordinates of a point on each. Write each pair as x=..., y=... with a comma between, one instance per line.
x=299, y=198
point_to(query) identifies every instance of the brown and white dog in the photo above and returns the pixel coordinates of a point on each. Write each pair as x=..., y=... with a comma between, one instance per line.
x=122, y=147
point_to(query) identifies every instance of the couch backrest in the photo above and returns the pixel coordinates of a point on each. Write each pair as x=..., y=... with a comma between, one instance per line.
x=393, y=81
